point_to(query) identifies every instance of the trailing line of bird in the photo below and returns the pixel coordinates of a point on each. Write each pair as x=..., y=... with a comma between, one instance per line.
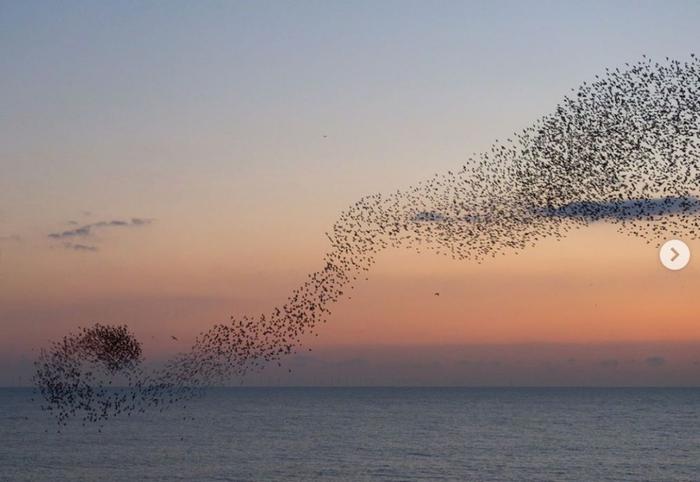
x=621, y=149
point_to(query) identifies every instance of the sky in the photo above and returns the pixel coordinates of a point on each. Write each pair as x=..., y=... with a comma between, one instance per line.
x=205, y=147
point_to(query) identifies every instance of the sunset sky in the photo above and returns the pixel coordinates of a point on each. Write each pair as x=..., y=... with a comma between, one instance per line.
x=207, y=147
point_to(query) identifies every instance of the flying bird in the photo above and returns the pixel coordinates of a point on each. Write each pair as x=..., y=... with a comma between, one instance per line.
x=623, y=149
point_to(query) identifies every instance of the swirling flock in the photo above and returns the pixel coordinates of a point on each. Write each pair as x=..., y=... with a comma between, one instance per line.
x=623, y=149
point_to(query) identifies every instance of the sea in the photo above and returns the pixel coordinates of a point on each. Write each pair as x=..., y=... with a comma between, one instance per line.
x=357, y=434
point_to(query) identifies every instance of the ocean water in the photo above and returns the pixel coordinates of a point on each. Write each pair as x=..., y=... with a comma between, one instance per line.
x=349, y=434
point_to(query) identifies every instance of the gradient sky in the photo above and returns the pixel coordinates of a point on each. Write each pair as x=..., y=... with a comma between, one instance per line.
x=239, y=131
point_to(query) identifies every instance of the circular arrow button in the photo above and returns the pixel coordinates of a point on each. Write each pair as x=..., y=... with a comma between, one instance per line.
x=674, y=255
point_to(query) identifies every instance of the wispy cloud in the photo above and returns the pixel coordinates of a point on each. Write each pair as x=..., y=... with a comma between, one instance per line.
x=655, y=361
x=625, y=209
x=70, y=238
x=15, y=238
x=591, y=210
x=429, y=216
x=80, y=247
x=88, y=229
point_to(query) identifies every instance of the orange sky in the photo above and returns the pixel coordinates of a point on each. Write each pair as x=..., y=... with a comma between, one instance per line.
x=594, y=286
x=243, y=132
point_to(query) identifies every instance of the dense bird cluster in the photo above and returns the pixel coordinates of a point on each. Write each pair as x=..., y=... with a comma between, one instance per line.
x=623, y=149
x=70, y=375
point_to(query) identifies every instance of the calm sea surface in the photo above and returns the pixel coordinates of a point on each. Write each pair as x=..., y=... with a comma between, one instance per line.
x=369, y=434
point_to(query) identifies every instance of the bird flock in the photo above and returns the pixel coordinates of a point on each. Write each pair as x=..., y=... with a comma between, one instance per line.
x=622, y=148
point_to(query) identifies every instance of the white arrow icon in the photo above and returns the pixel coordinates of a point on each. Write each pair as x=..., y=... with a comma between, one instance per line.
x=674, y=255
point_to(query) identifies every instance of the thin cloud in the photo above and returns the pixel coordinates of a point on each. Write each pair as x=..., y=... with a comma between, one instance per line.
x=88, y=229
x=82, y=231
x=70, y=238
x=625, y=210
x=81, y=247
x=429, y=216
x=15, y=238
x=620, y=210
x=655, y=361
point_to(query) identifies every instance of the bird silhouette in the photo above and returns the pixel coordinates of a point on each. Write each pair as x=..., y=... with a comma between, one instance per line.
x=622, y=149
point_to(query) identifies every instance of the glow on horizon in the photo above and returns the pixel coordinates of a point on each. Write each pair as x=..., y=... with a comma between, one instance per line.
x=243, y=130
